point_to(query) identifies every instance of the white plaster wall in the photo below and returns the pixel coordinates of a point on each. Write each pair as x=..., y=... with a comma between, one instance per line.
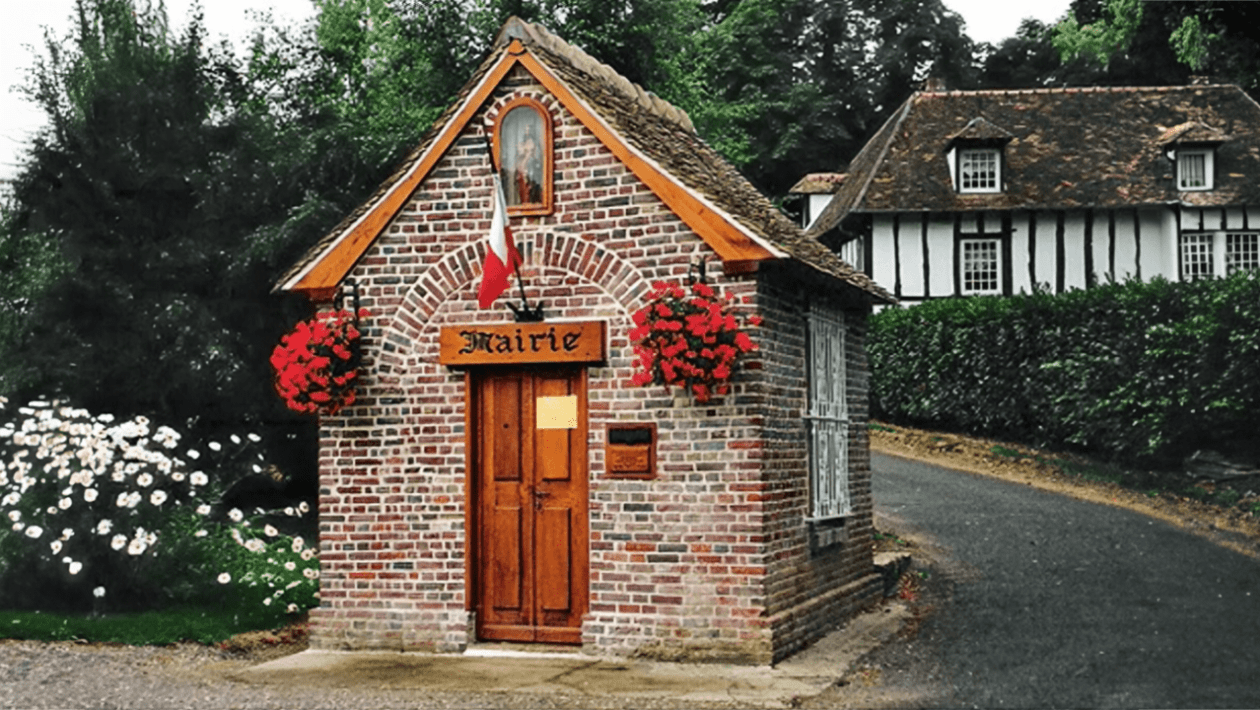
x=941, y=254
x=1159, y=244
x=1073, y=251
x=1020, y=283
x=1126, y=247
x=814, y=206
x=911, y=245
x=1100, y=244
x=883, y=257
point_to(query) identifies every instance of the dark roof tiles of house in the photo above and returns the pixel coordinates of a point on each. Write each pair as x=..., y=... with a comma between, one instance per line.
x=1191, y=132
x=1068, y=149
x=818, y=184
x=655, y=128
x=980, y=129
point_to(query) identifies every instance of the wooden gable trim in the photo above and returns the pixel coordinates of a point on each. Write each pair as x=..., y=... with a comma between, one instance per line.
x=731, y=242
x=329, y=268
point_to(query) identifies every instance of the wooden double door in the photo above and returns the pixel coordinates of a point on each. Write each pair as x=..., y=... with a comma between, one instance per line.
x=528, y=512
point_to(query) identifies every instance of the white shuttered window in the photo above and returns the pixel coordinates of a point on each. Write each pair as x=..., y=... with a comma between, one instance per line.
x=828, y=417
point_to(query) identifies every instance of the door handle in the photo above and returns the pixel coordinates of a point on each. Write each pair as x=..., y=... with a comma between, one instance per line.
x=538, y=498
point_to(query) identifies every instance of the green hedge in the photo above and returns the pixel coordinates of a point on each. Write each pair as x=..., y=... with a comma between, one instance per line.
x=1139, y=371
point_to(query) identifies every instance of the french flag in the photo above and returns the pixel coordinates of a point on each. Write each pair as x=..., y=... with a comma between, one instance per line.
x=502, y=257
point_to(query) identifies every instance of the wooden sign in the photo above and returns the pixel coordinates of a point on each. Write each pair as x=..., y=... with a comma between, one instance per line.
x=522, y=343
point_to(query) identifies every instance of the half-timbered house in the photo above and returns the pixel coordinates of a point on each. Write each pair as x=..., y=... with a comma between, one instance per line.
x=505, y=480
x=814, y=193
x=998, y=192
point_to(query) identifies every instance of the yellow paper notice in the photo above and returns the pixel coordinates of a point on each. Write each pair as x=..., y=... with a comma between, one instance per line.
x=556, y=412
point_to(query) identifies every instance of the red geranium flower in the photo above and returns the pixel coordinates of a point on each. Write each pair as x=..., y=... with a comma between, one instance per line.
x=315, y=363
x=688, y=340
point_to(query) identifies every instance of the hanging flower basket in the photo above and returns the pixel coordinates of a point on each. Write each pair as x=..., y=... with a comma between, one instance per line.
x=687, y=337
x=316, y=364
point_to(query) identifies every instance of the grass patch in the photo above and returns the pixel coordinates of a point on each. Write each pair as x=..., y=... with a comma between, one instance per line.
x=876, y=426
x=878, y=536
x=1006, y=452
x=140, y=629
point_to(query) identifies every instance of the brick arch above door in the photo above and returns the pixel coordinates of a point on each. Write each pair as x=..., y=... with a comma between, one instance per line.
x=456, y=275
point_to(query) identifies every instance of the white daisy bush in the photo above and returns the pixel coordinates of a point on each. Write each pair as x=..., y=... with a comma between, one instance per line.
x=96, y=512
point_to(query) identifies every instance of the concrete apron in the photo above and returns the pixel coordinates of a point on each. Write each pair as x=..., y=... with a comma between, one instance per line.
x=489, y=668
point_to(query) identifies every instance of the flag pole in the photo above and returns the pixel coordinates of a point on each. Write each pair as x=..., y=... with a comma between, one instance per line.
x=525, y=313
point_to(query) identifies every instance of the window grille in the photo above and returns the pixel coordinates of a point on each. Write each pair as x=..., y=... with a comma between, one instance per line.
x=1196, y=256
x=978, y=171
x=828, y=417
x=1242, y=252
x=981, y=266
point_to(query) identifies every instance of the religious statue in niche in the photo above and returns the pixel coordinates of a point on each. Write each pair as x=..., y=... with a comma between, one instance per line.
x=521, y=156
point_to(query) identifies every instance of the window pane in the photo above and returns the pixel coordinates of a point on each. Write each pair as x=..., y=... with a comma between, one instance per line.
x=1196, y=256
x=978, y=170
x=521, y=156
x=1242, y=252
x=1192, y=170
x=980, y=266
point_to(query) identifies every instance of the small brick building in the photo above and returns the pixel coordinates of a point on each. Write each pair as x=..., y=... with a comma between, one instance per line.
x=643, y=523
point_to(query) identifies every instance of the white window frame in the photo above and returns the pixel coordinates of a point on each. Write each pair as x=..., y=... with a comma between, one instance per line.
x=964, y=265
x=1242, y=252
x=1223, y=251
x=990, y=176
x=827, y=418
x=1184, y=174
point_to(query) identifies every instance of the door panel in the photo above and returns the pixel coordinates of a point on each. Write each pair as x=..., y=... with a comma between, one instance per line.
x=530, y=522
x=507, y=567
x=555, y=559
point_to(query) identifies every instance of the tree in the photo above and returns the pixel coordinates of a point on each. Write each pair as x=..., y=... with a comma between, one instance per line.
x=29, y=264
x=1164, y=42
x=808, y=81
x=148, y=183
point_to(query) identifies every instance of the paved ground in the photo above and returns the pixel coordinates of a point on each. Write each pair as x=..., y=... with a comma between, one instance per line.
x=1055, y=602
x=581, y=681
x=1039, y=600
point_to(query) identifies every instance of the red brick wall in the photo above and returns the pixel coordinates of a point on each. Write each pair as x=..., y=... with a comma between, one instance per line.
x=811, y=589
x=679, y=562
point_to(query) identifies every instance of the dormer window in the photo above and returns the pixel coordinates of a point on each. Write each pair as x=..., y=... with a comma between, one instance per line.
x=523, y=142
x=979, y=170
x=1194, y=168
x=1192, y=148
x=974, y=154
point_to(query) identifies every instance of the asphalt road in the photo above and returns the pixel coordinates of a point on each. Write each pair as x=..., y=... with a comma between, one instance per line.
x=1055, y=602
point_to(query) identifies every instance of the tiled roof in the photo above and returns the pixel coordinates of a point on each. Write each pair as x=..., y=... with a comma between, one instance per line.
x=980, y=129
x=1191, y=132
x=653, y=127
x=1067, y=148
x=818, y=184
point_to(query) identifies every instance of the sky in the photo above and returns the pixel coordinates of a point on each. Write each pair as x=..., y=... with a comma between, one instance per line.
x=23, y=22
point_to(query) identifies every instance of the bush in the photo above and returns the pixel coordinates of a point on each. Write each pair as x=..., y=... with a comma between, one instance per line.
x=1138, y=370
x=100, y=515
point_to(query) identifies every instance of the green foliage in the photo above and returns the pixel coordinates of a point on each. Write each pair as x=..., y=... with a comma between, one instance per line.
x=1143, y=43
x=262, y=568
x=1191, y=41
x=1125, y=371
x=109, y=515
x=147, y=184
x=806, y=82
x=29, y=264
x=200, y=625
x=1007, y=452
x=1103, y=38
